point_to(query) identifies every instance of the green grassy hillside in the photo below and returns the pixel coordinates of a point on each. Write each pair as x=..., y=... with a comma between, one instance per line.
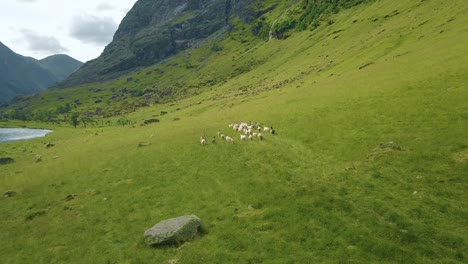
x=328, y=188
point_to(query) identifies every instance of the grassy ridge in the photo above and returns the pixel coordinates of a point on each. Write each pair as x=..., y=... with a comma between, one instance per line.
x=320, y=191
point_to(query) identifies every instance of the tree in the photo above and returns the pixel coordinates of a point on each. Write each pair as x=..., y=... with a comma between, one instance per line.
x=86, y=119
x=63, y=109
x=75, y=119
x=10, y=113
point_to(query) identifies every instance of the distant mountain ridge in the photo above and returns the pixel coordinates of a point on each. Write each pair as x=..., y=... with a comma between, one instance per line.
x=20, y=75
x=60, y=65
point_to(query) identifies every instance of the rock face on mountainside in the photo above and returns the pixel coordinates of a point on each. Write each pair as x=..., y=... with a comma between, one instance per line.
x=154, y=30
x=25, y=75
x=173, y=231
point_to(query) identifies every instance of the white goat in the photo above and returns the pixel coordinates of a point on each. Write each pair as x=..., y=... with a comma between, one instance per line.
x=260, y=136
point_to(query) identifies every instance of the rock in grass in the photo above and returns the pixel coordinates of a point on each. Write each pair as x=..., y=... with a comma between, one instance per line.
x=35, y=214
x=173, y=231
x=384, y=148
x=69, y=197
x=48, y=145
x=6, y=160
x=150, y=121
x=9, y=194
x=390, y=145
x=144, y=144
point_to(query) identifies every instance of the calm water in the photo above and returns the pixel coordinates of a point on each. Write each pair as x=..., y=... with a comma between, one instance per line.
x=14, y=134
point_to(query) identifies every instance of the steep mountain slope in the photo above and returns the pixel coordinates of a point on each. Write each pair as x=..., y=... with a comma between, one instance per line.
x=25, y=75
x=212, y=61
x=369, y=163
x=155, y=30
x=21, y=75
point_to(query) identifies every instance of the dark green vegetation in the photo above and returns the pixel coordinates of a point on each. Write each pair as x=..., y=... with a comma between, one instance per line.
x=21, y=75
x=329, y=188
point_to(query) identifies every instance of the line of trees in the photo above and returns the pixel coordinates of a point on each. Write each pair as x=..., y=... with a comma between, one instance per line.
x=64, y=114
x=306, y=14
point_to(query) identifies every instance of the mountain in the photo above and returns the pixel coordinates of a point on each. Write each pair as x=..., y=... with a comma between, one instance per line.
x=26, y=75
x=60, y=65
x=168, y=50
x=21, y=75
x=155, y=30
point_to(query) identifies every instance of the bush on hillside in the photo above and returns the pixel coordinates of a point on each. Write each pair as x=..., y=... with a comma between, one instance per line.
x=307, y=13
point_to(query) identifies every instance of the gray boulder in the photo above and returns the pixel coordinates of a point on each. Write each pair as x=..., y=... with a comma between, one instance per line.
x=173, y=231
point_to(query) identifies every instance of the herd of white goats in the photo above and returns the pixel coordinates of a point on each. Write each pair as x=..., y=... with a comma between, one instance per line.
x=252, y=131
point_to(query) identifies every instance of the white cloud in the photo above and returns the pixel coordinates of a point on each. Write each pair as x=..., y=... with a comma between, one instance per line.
x=104, y=6
x=41, y=43
x=57, y=19
x=92, y=29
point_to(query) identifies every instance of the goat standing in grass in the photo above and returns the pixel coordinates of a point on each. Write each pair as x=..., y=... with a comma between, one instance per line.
x=272, y=131
x=260, y=136
x=229, y=139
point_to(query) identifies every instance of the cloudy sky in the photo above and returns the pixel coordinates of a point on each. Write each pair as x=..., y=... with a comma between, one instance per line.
x=78, y=28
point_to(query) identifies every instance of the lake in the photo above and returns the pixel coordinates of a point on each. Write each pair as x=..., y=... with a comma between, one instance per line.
x=15, y=134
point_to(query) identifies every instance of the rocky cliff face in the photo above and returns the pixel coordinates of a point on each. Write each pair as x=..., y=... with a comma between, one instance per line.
x=157, y=29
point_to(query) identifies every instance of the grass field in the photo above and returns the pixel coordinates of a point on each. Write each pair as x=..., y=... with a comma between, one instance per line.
x=323, y=190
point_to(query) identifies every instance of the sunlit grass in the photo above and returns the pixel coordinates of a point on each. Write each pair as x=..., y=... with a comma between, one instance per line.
x=318, y=192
